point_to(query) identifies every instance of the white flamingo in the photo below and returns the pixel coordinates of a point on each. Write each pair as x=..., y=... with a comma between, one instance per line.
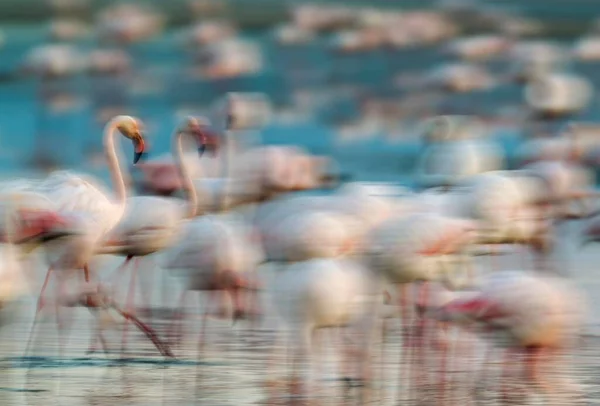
x=322, y=293
x=215, y=254
x=96, y=213
x=356, y=207
x=420, y=247
x=24, y=224
x=455, y=152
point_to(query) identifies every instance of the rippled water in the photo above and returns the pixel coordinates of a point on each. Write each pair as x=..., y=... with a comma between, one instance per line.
x=233, y=368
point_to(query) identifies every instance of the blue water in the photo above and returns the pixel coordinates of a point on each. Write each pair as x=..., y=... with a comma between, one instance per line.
x=161, y=85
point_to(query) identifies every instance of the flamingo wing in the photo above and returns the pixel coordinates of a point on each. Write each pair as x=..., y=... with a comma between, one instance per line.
x=81, y=195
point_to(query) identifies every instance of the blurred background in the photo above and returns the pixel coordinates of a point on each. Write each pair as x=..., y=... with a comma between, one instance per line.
x=357, y=81
x=350, y=79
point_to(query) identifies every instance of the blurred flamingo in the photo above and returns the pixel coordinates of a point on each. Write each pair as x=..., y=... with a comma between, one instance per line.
x=539, y=316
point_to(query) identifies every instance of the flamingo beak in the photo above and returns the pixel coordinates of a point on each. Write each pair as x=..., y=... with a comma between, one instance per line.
x=207, y=140
x=139, y=149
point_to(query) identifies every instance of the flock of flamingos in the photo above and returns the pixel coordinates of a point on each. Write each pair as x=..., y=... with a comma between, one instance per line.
x=343, y=258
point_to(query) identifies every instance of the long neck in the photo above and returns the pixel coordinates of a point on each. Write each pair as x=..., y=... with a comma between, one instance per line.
x=184, y=174
x=225, y=170
x=116, y=173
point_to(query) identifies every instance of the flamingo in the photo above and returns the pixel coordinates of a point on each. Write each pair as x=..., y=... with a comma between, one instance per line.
x=321, y=293
x=215, y=254
x=454, y=153
x=95, y=213
x=128, y=23
x=418, y=247
x=538, y=316
x=25, y=223
x=358, y=206
x=140, y=232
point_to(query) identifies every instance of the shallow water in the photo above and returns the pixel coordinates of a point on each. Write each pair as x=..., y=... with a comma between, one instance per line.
x=233, y=367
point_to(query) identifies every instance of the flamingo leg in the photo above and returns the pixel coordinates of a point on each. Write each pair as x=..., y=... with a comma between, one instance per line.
x=178, y=320
x=480, y=377
x=201, y=344
x=255, y=306
x=507, y=361
x=384, y=333
x=41, y=299
x=117, y=273
x=300, y=352
x=405, y=351
x=316, y=378
x=538, y=376
x=160, y=346
x=97, y=336
x=274, y=356
x=97, y=331
x=63, y=324
x=86, y=272
x=146, y=292
x=39, y=307
x=130, y=305
x=422, y=338
x=444, y=329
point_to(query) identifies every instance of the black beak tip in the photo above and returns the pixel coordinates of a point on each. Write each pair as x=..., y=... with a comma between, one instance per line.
x=138, y=156
x=201, y=149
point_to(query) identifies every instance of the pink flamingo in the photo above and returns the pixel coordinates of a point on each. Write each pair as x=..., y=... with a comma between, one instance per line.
x=539, y=315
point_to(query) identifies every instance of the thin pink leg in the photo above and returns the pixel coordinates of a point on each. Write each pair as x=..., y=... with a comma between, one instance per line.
x=146, y=292
x=443, y=328
x=39, y=307
x=177, y=330
x=118, y=273
x=130, y=306
x=41, y=300
x=201, y=343
x=422, y=336
x=382, y=363
x=481, y=375
x=63, y=323
x=97, y=336
x=510, y=357
x=405, y=351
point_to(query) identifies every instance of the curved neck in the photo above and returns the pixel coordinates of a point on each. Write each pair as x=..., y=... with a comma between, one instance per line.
x=223, y=202
x=184, y=174
x=116, y=173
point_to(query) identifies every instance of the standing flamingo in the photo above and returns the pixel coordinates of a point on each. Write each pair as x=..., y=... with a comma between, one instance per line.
x=538, y=316
x=323, y=293
x=215, y=252
x=96, y=213
x=418, y=247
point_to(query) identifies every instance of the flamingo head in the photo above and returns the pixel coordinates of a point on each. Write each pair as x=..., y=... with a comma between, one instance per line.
x=130, y=127
x=201, y=129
